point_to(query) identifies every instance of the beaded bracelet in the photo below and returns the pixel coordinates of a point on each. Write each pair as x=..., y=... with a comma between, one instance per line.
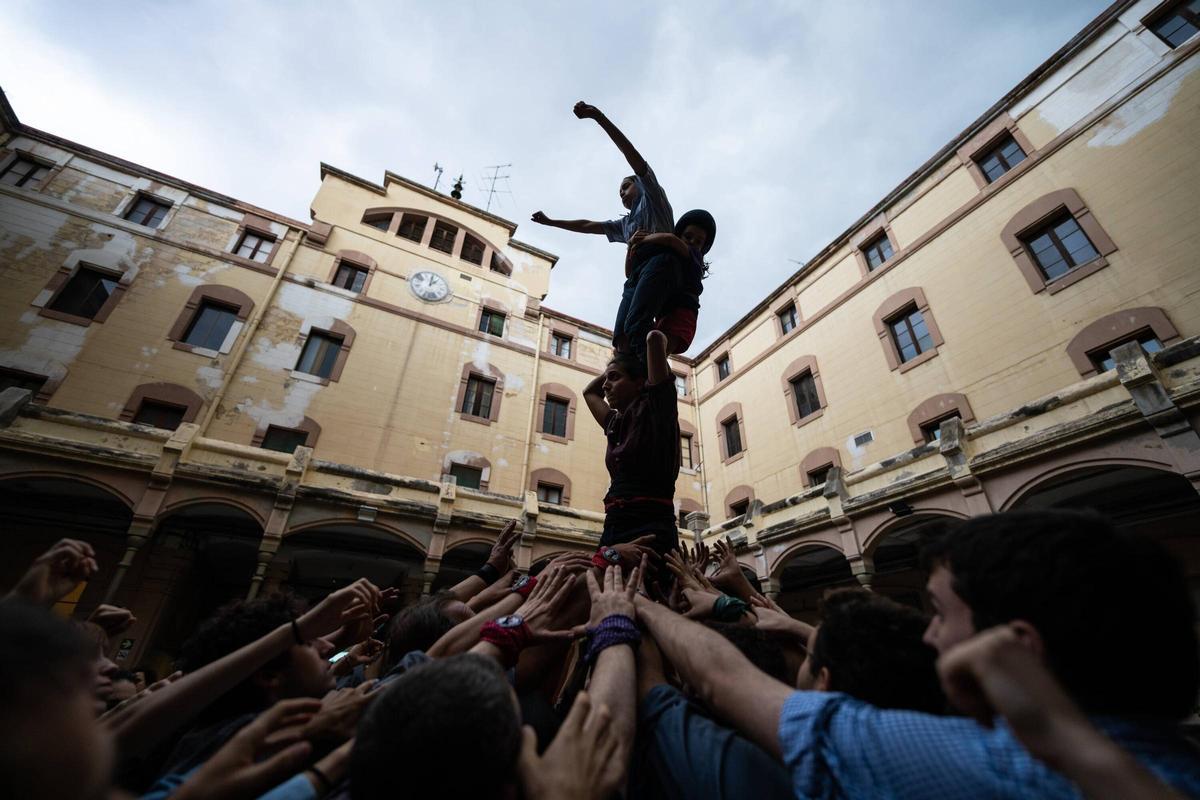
x=613, y=630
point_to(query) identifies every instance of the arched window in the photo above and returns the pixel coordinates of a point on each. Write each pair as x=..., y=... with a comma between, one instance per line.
x=551, y=485
x=1090, y=350
x=352, y=271
x=803, y=393
x=1056, y=241
x=737, y=501
x=162, y=405
x=816, y=465
x=556, y=412
x=480, y=391
x=925, y=420
x=907, y=330
x=731, y=432
x=211, y=320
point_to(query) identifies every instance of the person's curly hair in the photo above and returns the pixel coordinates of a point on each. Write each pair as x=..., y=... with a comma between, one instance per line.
x=873, y=650
x=232, y=627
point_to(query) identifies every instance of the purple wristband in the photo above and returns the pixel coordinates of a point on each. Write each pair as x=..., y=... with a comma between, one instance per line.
x=613, y=630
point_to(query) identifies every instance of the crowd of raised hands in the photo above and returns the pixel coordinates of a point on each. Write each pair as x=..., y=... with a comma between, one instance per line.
x=541, y=686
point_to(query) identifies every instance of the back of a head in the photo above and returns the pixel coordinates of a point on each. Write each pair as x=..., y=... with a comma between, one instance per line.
x=630, y=365
x=1112, y=608
x=232, y=627
x=872, y=647
x=417, y=627
x=760, y=649
x=448, y=728
x=39, y=653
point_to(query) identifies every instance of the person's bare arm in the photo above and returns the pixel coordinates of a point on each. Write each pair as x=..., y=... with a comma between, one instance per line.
x=726, y=681
x=593, y=395
x=55, y=573
x=636, y=162
x=465, y=635
x=657, y=368
x=573, y=225
x=668, y=240
x=500, y=558
x=173, y=706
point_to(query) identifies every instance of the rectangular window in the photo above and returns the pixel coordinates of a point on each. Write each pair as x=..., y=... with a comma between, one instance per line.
x=549, y=493
x=350, y=276
x=477, y=401
x=819, y=476
x=680, y=385
x=1178, y=23
x=683, y=518
x=24, y=172
x=210, y=326
x=722, y=368
x=443, y=236
x=739, y=508
x=560, y=345
x=804, y=389
x=1059, y=246
x=933, y=430
x=1000, y=158
x=1104, y=361
x=863, y=439
x=255, y=246
x=787, y=319
x=497, y=264
x=412, y=227
x=910, y=334
x=877, y=251
x=554, y=418
x=283, y=440
x=147, y=211
x=685, y=451
x=733, y=437
x=382, y=222
x=491, y=322
x=472, y=249
x=159, y=415
x=85, y=293
x=467, y=477
x=10, y=378
x=319, y=354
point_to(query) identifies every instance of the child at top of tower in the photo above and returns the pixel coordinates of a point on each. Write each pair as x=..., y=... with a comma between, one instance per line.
x=660, y=272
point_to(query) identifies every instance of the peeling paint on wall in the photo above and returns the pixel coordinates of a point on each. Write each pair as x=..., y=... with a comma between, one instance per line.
x=1142, y=111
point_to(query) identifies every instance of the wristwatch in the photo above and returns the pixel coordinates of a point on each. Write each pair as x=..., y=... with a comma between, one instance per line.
x=611, y=555
x=525, y=585
x=511, y=621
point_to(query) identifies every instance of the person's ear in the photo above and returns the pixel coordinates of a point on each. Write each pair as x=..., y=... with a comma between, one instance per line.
x=1029, y=637
x=823, y=682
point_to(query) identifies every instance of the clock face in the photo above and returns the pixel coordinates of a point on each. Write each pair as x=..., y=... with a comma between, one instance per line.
x=429, y=286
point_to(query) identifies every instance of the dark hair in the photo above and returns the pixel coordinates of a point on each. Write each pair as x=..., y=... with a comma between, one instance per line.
x=760, y=648
x=872, y=647
x=447, y=728
x=232, y=627
x=629, y=364
x=1112, y=607
x=417, y=627
x=149, y=672
x=40, y=655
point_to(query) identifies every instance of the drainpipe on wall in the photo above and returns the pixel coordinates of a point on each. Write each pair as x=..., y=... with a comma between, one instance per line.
x=239, y=350
x=703, y=469
x=533, y=401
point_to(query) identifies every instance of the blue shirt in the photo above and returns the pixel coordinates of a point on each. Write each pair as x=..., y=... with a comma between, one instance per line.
x=683, y=755
x=651, y=213
x=839, y=747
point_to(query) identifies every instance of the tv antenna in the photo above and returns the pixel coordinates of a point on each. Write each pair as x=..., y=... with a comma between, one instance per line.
x=491, y=179
x=437, y=168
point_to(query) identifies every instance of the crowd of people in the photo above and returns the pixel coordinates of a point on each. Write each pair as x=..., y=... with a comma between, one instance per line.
x=1059, y=660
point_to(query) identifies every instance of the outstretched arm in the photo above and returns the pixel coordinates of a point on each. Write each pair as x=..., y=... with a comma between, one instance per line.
x=574, y=225
x=636, y=162
x=727, y=682
x=593, y=395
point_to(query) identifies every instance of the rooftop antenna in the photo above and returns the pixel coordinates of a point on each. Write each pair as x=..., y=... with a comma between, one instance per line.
x=495, y=176
x=437, y=168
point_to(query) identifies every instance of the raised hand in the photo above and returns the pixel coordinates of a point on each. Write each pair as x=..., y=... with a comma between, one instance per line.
x=573, y=563
x=501, y=555
x=632, y=552
x=350, y=605
x=113, y=619
x=616, y=595
x=700, y=602
x=576, y=765
x=540, y=218
x=56, y=572
x=238, y=770
x=359, y=655
x=683, y=571
x=729, y=577
x=337, y=718
x=585, y=111
x=541, y=609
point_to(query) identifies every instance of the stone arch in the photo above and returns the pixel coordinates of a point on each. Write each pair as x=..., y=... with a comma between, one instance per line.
x=53, y=475
x=888, y=526
x=776, y=568
x=383, y=527
x=174, y=507
x=1038, y=479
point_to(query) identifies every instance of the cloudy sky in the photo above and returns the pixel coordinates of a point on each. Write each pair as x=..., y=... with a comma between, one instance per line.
x=788, y=123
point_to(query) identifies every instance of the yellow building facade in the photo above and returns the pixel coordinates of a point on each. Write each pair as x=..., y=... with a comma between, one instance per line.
x=226, y=401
